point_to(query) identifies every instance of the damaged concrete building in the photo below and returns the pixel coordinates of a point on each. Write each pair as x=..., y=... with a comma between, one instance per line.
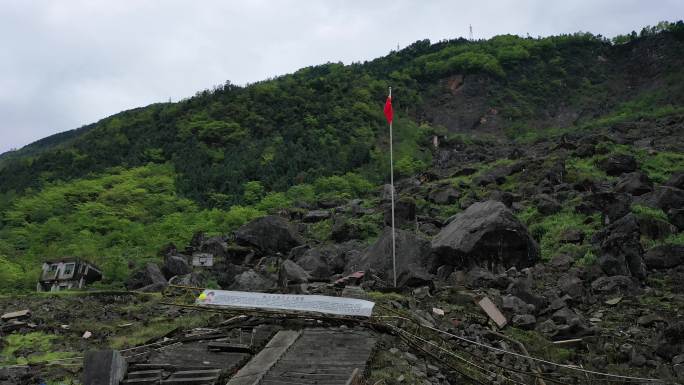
x=68, y=273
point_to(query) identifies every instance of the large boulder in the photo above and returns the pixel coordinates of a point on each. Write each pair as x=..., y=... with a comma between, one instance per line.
x=664, y=256
x=613, y=206
x=175, y=265
x=664, y=197
x=404, y=212
x=290, y=273
x=634, y=183
x=486, y=234
x=216, y=246
x=270, y=234
x=322, y=262
x=618, y=164
x=250, y=280
x=676, y=180
x=148, y=278
x=412, y=258
x=621, y=251
x=671, y=342
x=444, y=195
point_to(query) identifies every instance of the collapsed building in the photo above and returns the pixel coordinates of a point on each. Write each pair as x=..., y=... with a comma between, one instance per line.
x=68, y=273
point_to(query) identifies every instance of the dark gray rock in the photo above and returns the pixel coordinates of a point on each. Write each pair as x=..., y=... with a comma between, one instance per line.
x=175, y=265
x=512, y=305
x=546, y=204
x=635, y=183
x=572, y=286
x=486, y=234
x=524, y=321
x=571, y=236
x=664, y=197
x=250, y=280
x=655, y=228
x=676, y=180
x=444, y=195
x=613, y=206
x=522, y=288
x=618, y=164
x=149, y=278
x=104, y=367
x=216, y=246
x=676, y=217
x=291, y=273
x=621, y=251
x=412, y=258
x=479, y=277
x=316, y=216
x=617, y=284
x=664, y=256
x=270, y=234
x=671, y=342
x=404, y=212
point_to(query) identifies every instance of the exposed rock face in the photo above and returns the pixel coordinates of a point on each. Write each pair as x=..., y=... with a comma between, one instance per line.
x=618, y=164
x=412, y=258
x=486, y=234
x=149, y=278
x=634, y=183
x=664, y=256
x=269, y=234
x=621, y=252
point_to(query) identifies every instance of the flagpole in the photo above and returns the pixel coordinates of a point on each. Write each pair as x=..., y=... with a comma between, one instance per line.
x=394, y=243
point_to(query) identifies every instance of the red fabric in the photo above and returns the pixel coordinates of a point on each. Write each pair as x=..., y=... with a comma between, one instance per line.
x=389, y=114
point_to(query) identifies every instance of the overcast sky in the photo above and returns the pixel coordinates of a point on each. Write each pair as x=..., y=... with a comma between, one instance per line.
x=66, y=63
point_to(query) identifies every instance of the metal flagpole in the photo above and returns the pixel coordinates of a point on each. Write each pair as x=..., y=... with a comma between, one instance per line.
x=394, y=244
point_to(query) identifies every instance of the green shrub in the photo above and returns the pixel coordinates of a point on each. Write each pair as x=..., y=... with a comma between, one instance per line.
x=548, y=230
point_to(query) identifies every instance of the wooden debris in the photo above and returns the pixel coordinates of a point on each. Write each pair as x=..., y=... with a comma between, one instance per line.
x=437, y=311
x=229, y=347
x=17, y=314
x=493, y=312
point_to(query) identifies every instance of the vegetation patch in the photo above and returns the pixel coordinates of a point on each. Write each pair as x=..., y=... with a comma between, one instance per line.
x=30, y=348
x=547, y=230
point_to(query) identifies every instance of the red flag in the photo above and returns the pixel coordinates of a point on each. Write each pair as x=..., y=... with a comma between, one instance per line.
x=388, y=110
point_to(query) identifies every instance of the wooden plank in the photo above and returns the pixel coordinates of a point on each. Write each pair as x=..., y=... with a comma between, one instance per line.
x=493, y=312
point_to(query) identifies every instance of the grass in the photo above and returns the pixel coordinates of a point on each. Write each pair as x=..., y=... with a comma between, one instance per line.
x=642, y=211
x=548, y=230
x=539, y=346
x=30, y=348
x=660, y=166
x=157, y=327
x=584, y=168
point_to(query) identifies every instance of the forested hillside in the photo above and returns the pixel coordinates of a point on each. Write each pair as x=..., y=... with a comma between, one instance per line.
x=118, y=190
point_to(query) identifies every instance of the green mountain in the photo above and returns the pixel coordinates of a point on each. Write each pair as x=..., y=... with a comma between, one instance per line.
x=117, y=190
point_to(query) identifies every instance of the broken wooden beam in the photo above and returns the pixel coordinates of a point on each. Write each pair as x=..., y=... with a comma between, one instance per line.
x=229, y=347
x=493, y=312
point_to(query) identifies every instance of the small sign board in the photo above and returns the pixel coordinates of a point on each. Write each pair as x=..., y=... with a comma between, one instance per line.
x=305, y=303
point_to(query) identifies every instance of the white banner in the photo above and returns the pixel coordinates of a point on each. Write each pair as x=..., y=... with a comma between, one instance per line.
x=308, y=303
